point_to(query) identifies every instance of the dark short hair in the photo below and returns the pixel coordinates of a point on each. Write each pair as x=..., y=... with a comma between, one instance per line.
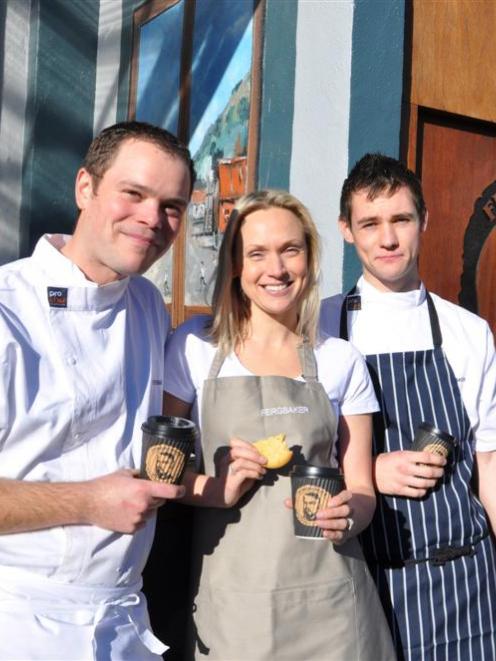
x=377, y=173
x=105, y=146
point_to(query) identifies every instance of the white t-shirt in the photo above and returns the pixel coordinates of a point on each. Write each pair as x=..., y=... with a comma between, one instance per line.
x=76, y=383
x=341, y=370
x=390, y=322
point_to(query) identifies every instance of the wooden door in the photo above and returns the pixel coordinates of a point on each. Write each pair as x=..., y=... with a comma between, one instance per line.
x=452, y=146
x=456, y=160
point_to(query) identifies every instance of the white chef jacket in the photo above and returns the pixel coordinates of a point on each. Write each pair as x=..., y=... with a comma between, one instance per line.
x=76, y=383
x=391, y=322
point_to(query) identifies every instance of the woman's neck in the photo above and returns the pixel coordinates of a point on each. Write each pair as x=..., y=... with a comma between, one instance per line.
x=267, y=329
x=270, y=347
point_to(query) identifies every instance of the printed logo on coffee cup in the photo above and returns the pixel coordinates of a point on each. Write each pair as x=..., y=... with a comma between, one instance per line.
x=437, y=448
x=309, y=500
x=163, y=462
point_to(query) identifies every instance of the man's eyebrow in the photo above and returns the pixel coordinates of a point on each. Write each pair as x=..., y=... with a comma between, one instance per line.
x=365, y=219
x=150, y=191
x=396, y=216
x=134, y=184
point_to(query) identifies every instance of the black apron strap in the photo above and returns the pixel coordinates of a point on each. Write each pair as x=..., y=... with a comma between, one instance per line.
x=343, y=320
x=437, y=337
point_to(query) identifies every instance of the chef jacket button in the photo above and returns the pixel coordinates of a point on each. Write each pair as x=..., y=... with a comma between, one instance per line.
x=71, y=360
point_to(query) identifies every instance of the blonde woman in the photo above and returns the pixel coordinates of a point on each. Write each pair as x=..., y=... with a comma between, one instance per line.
x=255, y=369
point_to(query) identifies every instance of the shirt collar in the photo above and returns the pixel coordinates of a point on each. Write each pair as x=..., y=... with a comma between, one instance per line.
x=60, y=273
x=372, y=297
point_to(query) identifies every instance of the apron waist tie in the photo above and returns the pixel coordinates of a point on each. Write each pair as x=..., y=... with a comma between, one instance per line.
x=437, y=557
x=82, y=605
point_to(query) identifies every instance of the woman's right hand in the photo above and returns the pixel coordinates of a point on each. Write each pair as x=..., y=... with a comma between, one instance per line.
x=239, y=470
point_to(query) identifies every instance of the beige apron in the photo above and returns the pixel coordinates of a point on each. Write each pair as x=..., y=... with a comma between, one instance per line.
x=261, y=593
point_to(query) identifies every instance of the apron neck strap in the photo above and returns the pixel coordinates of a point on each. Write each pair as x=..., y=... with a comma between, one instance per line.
x=305, y=353
x=216, y=364
x=343, y=318
x=307, y=361
x=437, y=337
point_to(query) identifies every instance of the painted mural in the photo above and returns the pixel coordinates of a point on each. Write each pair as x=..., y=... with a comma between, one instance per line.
x=218, y=116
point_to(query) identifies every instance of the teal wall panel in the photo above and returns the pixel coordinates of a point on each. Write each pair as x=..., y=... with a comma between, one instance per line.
x=59, y=125
x=376, y=91
x=278, y=81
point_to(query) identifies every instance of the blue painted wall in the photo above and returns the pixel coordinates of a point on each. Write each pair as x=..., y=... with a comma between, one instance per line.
x=376, y=91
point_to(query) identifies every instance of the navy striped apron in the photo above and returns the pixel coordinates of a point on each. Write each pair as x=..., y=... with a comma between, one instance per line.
x=433, y=559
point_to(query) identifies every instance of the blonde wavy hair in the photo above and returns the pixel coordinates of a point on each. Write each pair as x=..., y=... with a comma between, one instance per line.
x=230, y=307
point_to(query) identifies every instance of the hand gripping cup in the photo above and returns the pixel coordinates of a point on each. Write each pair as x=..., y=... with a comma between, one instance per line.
x=167, y=444
x=430, y=439
x=312, y=486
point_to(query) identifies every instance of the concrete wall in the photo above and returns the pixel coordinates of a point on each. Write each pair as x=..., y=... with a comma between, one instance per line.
x=319, y=155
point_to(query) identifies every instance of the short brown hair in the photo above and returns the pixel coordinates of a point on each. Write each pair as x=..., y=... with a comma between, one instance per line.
x=231, y=309
x=377, y=173
x=104, y=147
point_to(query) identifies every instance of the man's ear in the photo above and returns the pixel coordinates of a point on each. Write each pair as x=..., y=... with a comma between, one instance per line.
x=425, y=222
x=83, y=188
x=345, y=229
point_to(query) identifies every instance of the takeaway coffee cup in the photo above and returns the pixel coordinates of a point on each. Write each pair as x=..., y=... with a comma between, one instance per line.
x=429, y=438
x=167, y=444
x=311, y=488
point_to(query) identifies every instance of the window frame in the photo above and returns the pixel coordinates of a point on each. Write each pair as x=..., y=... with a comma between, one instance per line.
x=143, y=14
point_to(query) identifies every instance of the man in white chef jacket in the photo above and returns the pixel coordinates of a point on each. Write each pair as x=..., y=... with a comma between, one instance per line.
x=429, y=545
x=81, y=344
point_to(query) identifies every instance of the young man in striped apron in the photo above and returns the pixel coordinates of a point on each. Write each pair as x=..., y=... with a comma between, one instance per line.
x=429, y=545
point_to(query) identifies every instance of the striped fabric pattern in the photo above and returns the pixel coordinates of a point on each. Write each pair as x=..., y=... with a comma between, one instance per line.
x=435, y=612
x=415, y=387
x=442, y=613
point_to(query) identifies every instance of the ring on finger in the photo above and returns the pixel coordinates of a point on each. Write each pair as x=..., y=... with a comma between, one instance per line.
x=232, y=469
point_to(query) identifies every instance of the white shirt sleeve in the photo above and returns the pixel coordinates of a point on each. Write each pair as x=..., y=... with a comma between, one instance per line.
x=485, y=430
x=345, y=377
x=185, y=362
x=469, y=347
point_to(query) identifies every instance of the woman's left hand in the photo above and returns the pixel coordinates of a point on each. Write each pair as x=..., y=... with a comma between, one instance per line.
x=335, y=518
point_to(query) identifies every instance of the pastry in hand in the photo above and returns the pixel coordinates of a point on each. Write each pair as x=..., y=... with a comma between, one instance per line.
x=275, y=450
